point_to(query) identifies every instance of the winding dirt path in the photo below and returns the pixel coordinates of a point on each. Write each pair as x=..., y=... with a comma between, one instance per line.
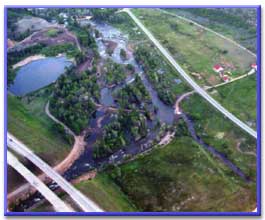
x=25, y=190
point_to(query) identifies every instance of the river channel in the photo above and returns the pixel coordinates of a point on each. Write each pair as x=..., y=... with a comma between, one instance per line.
x=164, y=113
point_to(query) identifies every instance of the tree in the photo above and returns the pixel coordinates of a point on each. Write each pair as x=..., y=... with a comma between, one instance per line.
x=123, y=54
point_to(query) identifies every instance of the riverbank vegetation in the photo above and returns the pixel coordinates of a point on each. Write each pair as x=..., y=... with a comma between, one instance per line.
x=133, y=96
x=114, y=73
x=221, y=133
x=161, y=75
x=71, y=100
x=126, y=127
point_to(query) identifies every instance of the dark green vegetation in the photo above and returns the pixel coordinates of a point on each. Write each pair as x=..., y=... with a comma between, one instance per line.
x=71, y=100
x=84, y=34
x=106, y=14
x=115, y=73
x=123, y=54
x=182, y=177
x=15, y=56
x=160, y=74
x=195, y=49
x=240, y=98
x=237, y=23
x=69, y=49
x=133, y=95
x=28, y=122
x=127, y=127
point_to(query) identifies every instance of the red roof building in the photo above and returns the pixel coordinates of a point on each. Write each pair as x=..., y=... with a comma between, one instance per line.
x=254, y=66
x=217, y=68
x=225, y=78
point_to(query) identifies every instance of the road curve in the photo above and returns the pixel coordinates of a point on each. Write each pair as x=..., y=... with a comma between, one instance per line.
x=57, y=203
x=193, y=84
x=67, y=129
x=85, y=204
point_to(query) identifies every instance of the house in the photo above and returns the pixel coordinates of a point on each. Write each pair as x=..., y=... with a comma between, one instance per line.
x=226, y=78
x=254, y=66
x=217, y=68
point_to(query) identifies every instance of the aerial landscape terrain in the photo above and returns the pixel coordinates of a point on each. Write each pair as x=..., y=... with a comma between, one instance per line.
x=131, y=109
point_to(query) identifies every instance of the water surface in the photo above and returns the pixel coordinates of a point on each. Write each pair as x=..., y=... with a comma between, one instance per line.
x=38, y=74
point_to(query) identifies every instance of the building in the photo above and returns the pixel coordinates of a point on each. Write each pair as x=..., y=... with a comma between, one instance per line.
x=254, y=66
x=226, y=78
x=217, y=68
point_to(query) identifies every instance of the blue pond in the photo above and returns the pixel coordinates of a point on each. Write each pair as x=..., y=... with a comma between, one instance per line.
x=38, y=74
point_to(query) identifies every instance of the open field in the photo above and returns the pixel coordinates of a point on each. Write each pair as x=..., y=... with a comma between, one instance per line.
x=219, y=132
x=182, y=177
x=195, y=49
x=105, y=192
x=240, y=98
x=236, y=23
x=36, y=130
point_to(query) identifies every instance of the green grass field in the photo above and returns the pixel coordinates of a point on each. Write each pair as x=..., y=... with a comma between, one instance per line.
x=106, y=193
x=235, y=23
x=240, y=98
x=195, y=49
x=36, y=130
x=183, y=177
x=221, y=133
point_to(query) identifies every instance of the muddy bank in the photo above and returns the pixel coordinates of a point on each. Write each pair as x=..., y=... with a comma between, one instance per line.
x=28, y=60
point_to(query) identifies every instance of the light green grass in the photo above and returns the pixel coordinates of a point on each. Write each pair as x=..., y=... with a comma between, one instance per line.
x=52, y=33
x=240, y=97
x=106, y=193
x=36, y=132
x=195, y=49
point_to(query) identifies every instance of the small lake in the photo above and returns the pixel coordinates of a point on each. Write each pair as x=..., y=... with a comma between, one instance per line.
x=38, y=74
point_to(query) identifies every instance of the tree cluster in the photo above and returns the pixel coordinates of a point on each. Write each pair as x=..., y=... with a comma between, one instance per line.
x=71, y=100
x=119, y=133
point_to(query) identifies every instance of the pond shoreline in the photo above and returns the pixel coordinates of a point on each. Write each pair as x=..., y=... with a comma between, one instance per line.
x=28, y=60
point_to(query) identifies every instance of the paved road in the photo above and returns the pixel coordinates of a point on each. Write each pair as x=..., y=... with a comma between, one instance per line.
x=85, y=204
x=195, y=86
x=208, y=29
x=57, y=203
